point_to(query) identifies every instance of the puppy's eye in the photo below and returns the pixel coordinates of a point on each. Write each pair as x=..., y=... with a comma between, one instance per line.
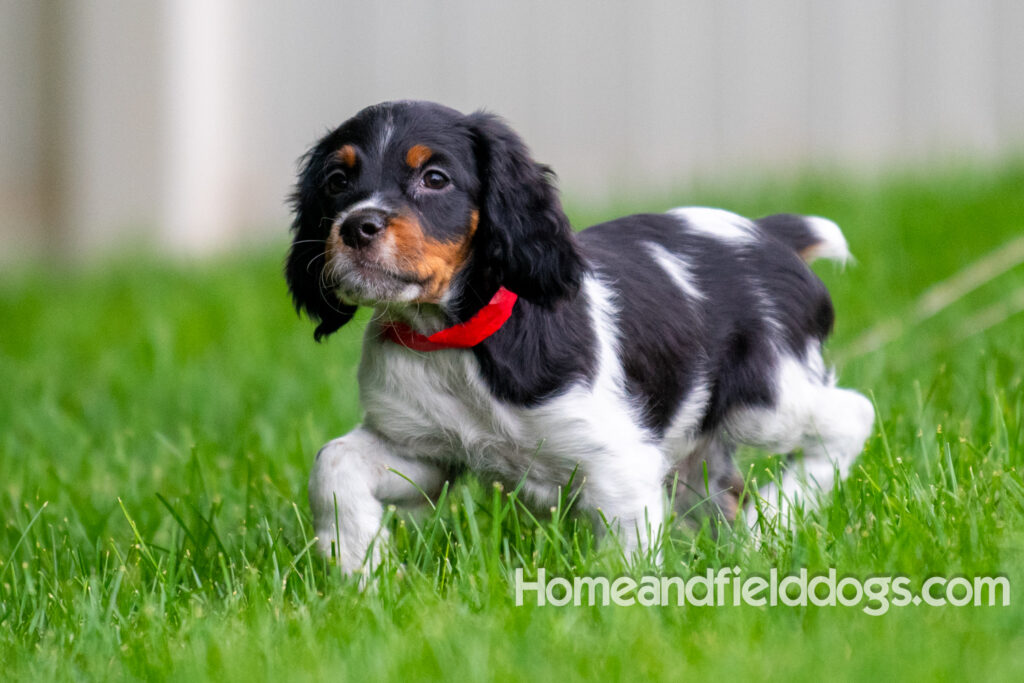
x=337, y=182
x=435, y=180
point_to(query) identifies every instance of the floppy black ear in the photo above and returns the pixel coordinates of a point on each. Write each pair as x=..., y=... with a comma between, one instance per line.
x=525, y=236
x=305, y=262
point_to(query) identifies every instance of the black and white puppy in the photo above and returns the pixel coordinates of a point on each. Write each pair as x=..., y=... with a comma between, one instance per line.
x=636, y=353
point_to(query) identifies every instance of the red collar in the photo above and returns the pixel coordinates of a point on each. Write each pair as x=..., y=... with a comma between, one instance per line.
x=486, y=322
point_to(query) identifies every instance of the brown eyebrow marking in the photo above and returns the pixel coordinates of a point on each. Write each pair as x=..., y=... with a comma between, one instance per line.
x=347, y=154
x=417, y=155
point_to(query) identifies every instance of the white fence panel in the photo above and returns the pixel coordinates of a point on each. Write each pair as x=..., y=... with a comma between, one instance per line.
x=180, y=121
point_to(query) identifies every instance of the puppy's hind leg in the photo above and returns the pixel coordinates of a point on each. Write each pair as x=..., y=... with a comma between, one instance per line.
x=706, y=481
x=839, y=426
x=828, y=423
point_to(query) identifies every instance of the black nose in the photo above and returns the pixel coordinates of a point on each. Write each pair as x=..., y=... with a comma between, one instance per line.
x=360, y=228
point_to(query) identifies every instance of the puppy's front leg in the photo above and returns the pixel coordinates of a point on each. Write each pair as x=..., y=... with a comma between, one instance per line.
x=352, y=479
x=629, y=493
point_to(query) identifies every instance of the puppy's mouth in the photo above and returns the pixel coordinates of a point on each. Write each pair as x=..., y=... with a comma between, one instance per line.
x=370, y=269
x=360, y=280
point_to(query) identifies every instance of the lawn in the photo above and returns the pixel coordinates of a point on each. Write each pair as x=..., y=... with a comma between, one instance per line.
x=158, y=420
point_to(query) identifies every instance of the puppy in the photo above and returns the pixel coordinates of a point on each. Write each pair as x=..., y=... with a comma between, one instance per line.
x=637, y=353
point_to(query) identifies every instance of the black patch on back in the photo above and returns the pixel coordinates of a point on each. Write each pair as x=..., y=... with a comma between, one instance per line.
x=669, y=342
x=660, y=331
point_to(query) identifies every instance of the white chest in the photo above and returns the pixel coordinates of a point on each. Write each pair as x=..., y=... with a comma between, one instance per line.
x=434, y=404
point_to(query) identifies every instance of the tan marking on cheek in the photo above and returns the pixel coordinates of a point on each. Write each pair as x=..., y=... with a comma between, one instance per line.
x=433, y=261
x=445, y=259
x=347, y=155
x=418, y=155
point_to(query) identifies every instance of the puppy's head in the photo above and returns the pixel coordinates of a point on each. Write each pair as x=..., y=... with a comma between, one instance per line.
x=412, y=202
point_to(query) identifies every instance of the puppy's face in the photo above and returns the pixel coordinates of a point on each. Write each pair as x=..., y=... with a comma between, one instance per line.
x=401, y=201
x=397, y=193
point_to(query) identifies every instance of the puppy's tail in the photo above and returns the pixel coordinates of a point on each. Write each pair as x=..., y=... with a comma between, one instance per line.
x=810, y=236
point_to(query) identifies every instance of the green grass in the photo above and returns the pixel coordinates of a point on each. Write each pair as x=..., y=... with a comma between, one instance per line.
x=158, y=420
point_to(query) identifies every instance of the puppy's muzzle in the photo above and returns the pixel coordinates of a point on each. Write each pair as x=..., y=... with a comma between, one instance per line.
x=362, y=227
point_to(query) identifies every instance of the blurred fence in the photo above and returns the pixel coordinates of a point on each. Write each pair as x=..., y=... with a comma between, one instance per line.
x=179, y=121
